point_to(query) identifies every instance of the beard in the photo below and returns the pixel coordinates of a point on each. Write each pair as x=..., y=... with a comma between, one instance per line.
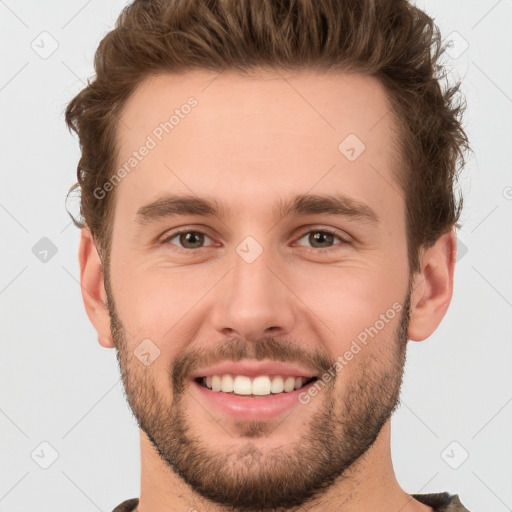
x=244, y=477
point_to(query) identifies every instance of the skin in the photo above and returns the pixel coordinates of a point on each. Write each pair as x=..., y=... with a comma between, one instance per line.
x=250, y=142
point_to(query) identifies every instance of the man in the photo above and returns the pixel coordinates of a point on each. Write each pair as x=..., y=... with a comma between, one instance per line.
x=267, y=193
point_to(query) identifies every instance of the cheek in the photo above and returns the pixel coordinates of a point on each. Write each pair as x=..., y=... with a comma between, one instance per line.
x=157, y=303
x=351, y=298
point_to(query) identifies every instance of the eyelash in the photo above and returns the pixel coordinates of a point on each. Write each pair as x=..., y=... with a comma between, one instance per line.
x=168, y=238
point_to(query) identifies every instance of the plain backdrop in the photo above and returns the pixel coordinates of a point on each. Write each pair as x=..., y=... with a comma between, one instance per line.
x=68, y=440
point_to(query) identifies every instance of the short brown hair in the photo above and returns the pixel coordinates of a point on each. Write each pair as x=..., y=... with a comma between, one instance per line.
x=388, y=39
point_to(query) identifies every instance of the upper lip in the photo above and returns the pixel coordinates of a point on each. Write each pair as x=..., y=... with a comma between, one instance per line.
x=253, y=369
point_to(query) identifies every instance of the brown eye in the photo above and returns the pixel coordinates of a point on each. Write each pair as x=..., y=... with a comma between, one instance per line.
x=320, y=239
x=188, y=239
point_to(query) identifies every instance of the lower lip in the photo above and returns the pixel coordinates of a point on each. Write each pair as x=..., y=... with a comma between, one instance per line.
x=252, y=408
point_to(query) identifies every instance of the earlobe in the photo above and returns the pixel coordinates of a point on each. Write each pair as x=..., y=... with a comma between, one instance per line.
x=432, y=287
x=93, y=288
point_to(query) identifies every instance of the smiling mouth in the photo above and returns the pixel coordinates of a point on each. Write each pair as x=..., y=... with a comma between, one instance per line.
x=260, y=386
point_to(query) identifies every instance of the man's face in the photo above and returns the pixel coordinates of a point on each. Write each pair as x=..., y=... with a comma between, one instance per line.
x=313, y=290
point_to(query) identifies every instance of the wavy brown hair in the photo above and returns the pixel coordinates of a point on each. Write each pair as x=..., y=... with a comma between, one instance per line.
x=388, y=39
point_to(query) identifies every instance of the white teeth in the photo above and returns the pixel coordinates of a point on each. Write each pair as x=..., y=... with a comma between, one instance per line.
x=260, y=386
x=216, y=383
x=242, y=385
x=227, y=384
x=289, y=384
x=277, y=385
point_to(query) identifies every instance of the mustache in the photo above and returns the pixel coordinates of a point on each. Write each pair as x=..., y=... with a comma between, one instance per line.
x=236, y=349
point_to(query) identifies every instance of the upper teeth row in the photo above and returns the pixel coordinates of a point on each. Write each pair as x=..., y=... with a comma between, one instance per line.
x=261, y=385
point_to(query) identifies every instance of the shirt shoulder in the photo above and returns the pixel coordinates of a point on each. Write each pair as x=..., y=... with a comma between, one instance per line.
x=127, y=506
x=441, y=502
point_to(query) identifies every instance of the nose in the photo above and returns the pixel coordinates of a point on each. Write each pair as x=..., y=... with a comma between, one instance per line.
x=254, y=300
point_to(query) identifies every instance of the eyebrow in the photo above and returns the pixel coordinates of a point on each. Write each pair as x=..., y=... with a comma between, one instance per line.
x=304, y=204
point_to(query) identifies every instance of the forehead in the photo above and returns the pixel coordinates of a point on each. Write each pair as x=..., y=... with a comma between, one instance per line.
x=270, y=131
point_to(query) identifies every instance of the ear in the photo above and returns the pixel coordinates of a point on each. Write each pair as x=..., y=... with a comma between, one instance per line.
x=432, y=287
x=93, y=288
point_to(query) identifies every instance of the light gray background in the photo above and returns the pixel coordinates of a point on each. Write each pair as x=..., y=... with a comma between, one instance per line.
x=59, y=386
